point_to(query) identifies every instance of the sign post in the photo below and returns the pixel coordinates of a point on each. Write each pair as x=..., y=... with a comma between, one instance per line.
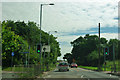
x=12, y=60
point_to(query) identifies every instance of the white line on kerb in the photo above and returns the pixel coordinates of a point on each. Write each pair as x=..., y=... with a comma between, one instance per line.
x=44, y=78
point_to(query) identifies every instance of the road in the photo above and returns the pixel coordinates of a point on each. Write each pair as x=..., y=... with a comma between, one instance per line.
x=79, y=74
x=72, y=74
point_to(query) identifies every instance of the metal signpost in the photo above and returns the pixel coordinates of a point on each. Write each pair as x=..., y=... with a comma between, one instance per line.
x=114, y=58
x=26, y=62
x=12, y=59
x=45, y=48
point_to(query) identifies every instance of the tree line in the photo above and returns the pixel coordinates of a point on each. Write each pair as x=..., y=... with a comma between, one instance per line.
x=19, y=37
x=85, y=50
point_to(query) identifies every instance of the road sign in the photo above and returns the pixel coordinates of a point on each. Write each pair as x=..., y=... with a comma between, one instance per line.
x=12, y=54
x=25, y=52
x=46, y=48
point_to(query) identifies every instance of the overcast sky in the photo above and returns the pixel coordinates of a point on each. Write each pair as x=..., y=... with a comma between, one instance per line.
x=70, y=18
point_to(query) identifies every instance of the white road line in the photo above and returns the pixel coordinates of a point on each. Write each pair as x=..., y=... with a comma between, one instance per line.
x=110, y=75
x=82, y=76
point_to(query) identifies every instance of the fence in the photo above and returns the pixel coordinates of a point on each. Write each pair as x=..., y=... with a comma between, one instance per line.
x=30, y=71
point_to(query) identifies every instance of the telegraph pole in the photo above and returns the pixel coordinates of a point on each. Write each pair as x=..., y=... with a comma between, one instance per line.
x=114, y=58
x=104, y=60
x=99, y=50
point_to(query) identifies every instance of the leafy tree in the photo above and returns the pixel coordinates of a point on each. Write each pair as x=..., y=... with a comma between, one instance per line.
x=10, y=43
x=113, y=43
x=18, y=36
x=85, y=49
x=69, y=58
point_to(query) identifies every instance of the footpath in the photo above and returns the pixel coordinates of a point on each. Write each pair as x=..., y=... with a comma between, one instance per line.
x=114, y=73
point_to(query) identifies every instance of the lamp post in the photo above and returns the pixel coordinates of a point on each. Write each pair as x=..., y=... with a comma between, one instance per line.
x=49, y=36
x=40, y=27
x=49, y=43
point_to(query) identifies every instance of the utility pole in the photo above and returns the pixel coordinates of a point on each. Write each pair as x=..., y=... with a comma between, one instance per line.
x=40, y=34
x=29, y=56
x=104, y=60
x=99, y=50
x=114, y=58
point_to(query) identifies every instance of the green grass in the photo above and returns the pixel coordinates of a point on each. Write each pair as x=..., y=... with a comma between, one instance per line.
x=108, y=66
x=17, y=69
x=7, y=69
x=88, y=67
x=0, y=69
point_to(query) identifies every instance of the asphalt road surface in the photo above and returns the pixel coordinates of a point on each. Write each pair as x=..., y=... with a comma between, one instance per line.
x=78, y=74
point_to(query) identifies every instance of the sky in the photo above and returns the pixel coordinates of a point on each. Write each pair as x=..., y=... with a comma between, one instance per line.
x=70, y=18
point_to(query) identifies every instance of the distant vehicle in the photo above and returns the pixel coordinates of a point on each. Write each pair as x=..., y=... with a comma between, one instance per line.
x=73, y=65
x=63, y=66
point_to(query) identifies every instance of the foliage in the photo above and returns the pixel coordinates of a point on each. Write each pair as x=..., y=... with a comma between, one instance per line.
x=68, y=56
x=19, y=37
x=85, y=50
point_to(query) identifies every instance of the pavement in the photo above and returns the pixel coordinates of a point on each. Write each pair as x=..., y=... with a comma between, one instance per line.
x=113, y=73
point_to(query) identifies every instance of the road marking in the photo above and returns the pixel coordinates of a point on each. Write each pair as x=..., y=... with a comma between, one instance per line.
x=82, y=76
x=110, y=75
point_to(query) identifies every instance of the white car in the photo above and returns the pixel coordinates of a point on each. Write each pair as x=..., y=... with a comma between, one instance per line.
x=63, y=66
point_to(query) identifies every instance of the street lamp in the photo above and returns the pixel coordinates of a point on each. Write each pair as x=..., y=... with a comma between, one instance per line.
x=41, y=18
x=41, y=25
x=49, y=36
x=49, y=43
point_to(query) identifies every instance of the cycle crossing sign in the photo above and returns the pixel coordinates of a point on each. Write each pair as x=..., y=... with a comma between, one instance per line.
x=12, y=54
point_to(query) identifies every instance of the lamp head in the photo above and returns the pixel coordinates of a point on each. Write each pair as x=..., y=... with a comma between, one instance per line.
x=55, y=31
x=51, y=4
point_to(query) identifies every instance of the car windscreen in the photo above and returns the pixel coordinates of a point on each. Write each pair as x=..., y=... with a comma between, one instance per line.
x=63, y=64
x=73, y=64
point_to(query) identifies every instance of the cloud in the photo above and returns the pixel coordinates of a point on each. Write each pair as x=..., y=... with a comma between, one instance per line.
x=81, y=16
x=108, y=36
x=64, y=17
x=58, y=1
x=70, y=18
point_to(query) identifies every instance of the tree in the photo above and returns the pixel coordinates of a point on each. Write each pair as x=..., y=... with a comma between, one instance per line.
x=10, y=43
x=85, y=50
x=113, y=43
x=17, y=36
x=69, y=58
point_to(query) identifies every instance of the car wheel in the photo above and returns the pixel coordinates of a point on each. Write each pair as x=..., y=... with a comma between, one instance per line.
x=67, y=69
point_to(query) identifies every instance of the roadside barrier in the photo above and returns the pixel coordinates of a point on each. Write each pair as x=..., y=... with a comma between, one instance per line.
x=30, y=71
